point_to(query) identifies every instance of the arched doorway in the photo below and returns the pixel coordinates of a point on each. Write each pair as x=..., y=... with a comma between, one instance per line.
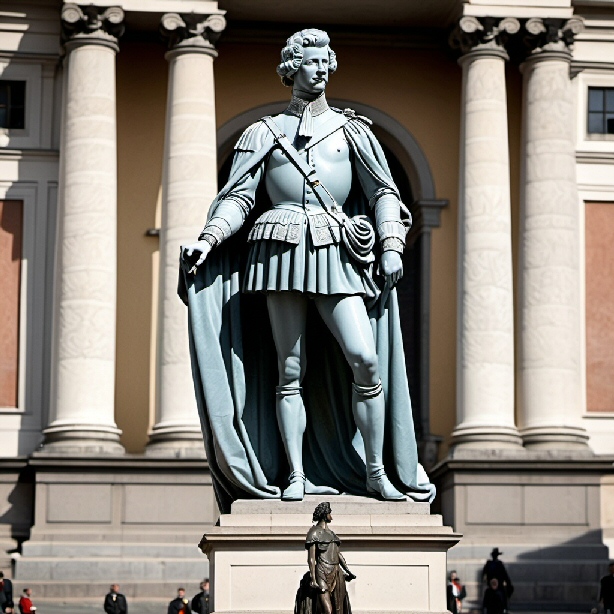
x=412, y=174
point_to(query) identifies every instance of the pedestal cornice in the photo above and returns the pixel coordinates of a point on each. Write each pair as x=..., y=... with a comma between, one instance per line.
x=91, y=25
x=192, y=33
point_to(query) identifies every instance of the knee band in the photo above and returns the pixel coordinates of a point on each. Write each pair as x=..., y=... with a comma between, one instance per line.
x=368, y=392
x=287, y=391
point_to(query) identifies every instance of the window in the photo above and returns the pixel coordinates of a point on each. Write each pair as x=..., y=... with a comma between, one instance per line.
x=11, y=231
x=12, y=104
x=601, y=110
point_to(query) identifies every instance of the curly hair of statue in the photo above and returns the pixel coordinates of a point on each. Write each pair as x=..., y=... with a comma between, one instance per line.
x=292, y=53
x=322, y=511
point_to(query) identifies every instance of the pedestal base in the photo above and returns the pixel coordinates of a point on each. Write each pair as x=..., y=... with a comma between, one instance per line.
x=398, y=552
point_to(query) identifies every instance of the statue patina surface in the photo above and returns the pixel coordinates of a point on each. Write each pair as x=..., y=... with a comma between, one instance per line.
x=322, y=588
x=309, y=229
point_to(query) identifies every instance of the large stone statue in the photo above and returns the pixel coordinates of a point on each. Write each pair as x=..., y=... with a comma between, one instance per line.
x=309, y=228
x=322, y=589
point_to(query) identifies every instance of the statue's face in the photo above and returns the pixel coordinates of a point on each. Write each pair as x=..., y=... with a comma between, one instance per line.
x=312, y=76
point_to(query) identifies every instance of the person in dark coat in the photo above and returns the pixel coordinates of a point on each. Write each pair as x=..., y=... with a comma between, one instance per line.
x=451, y=600
x=179, y=605
x=6, y=594
x=606, y=592
x=494, y=568
x=455, y=593
x=115, y=602
x=494, y=599
x=200, y=602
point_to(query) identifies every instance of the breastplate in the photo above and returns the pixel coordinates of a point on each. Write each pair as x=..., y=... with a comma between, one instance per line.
x=331, y=159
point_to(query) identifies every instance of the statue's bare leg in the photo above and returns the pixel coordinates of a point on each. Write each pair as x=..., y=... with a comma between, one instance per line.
x=326, y=604
x=288, y=313
x=347, y=319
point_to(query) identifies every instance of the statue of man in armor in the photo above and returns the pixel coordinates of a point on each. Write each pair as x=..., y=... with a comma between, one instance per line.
x=314, y=245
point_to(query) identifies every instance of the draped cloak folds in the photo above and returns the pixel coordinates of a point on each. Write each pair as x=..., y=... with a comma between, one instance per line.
x=234, y=362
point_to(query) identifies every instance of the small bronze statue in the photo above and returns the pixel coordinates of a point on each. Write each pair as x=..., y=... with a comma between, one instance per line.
x=322, y=589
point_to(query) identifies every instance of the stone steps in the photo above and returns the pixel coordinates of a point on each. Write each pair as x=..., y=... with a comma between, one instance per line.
x=115, y=569
x=567, y=582
x=94, y=592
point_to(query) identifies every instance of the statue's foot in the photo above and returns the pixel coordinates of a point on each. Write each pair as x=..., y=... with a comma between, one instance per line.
x=296, y=487
x=312, y=489
x=426, y=496
x=379, y=485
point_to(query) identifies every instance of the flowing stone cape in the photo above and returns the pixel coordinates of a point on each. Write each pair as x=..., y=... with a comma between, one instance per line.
x=234, y=364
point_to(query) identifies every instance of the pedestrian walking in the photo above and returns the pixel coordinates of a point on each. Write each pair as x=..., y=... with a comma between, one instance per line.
x=179, y=605
x=494, y=599
x=606, y=592
x=495, y=569
x=115, y=602
x=25, y=602
x=6, y=594
x=455, y=593
x=200, y=602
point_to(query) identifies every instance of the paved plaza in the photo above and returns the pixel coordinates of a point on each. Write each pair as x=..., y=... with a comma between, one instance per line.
x=148, y=607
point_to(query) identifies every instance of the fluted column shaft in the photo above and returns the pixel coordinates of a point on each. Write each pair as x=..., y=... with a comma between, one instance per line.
x=83, y=388
x=189, y=187
x=550, y=337
x=485, y=365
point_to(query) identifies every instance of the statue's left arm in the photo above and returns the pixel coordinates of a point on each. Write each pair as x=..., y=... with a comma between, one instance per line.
x=392, y=218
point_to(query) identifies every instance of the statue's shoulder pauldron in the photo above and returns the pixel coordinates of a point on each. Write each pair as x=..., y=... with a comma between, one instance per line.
x=253, y=137
x=318, y=535
x=353, y=116
x=313, y=535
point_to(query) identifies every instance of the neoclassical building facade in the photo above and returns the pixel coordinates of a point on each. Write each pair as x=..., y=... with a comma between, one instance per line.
x=117, y=124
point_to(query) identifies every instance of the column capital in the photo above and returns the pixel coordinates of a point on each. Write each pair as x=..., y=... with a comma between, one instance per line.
x=192, y=33
x=483, y=35
x=551, y=38
x=91, y=25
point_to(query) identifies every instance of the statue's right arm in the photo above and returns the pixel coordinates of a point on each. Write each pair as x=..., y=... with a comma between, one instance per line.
x=311, y=560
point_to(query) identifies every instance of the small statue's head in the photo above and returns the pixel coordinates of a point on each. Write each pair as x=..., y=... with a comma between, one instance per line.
x=293, y=54
x=322, y=512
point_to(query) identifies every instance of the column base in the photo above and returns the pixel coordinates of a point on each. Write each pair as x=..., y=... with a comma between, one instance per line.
x=81, y=439
x=555, y=438
x=177, y=441
x=485, y=437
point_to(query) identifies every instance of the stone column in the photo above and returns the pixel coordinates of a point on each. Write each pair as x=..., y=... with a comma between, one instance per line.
x=485, y=337
x=550, y=377
x=189, y=186
x=83, y=381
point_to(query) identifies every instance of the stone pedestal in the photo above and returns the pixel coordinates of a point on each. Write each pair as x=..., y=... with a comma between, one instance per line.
x=398, y=552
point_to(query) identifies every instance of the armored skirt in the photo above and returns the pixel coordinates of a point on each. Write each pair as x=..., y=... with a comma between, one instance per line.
x=275, y=265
